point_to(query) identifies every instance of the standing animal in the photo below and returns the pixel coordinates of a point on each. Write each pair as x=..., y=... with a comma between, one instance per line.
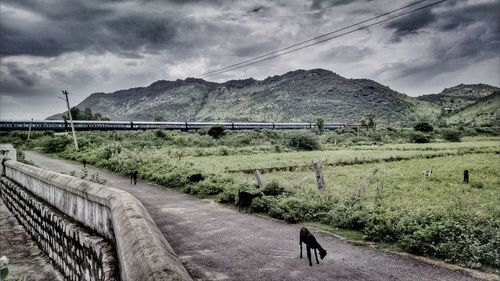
x=245, y=199
x=466, y=176
x=311, y=243
x=133, y=177
x=427, y=174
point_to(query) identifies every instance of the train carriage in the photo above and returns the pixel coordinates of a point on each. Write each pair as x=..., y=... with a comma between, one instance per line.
x=81, y=125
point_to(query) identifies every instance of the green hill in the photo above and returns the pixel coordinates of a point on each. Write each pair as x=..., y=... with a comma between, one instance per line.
x=301, y=95
x=458, y=97
x=485, y=111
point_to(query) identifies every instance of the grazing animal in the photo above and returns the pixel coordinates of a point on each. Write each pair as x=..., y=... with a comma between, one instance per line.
x=245, y=199
x=466, y=176
x=427, y=174
x=196, y=177
x=311, y=243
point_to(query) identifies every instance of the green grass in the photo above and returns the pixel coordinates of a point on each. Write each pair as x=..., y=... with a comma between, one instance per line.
x=340, y=156
x=404, y=186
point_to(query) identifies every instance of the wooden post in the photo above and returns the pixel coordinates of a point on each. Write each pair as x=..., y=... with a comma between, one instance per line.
x=319, y=175
x=258, y=178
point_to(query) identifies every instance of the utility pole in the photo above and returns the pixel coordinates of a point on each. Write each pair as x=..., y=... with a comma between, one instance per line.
x=29, y=130
x=65, y=93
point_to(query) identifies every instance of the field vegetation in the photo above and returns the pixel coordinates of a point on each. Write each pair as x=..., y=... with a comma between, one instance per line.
x=375, y=186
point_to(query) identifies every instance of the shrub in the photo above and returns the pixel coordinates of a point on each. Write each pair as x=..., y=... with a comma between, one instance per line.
x=423, y=127
x=273, y=189
x=452, y=135
x=160, y=134
x=303, y=142
x=420, y=138
x=320, y=125
x=216, y=131
x=212, y=185
x=230, y=192
x=54, y=145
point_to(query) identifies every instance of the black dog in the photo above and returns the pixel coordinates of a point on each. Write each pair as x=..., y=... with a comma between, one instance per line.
x=307, y=237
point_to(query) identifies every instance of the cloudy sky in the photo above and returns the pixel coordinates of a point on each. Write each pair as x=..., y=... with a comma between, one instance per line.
x=87, y=46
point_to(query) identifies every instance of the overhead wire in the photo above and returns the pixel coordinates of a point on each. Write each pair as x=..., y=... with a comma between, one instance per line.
x=278, y=53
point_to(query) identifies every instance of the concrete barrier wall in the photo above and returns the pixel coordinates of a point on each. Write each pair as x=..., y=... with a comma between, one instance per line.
x=142, y=250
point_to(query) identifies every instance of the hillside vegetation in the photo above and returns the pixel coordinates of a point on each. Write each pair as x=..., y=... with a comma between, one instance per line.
x=484, y=111
x=295, y=96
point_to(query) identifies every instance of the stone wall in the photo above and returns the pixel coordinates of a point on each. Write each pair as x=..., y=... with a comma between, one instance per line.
x=75, y=251
x=142, y=251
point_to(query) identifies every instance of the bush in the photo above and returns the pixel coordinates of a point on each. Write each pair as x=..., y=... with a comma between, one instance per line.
x=452, y=135
x=423, y=127
x=420, y=138
x=273, y=189
x=230, y=192
x=216, y=131
x=54, y=145
x=303, y=142
x=212, y=185
x=161, y=134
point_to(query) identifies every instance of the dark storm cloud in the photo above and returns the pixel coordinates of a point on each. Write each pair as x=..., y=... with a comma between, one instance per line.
x=13, y=77
x=476, y=37
x=319, y=4
x=131, y=32
x=411, y=24
x=60, y=28
x=453, y=17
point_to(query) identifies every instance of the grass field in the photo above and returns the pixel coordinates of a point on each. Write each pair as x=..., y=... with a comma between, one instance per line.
x=401, y=185
x=376, y=192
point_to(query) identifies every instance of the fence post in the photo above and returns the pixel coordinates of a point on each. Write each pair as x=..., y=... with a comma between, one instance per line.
x=319, y=175
x=258, y=178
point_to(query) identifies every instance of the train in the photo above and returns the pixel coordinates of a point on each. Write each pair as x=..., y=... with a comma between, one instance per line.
x=64, y=125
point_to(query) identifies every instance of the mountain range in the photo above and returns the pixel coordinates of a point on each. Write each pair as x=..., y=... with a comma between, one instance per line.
x=300, y=95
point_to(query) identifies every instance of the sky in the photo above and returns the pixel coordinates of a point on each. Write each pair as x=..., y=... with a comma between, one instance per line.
x=88, y=46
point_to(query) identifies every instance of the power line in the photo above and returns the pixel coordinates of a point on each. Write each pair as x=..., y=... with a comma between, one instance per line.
x=312, y=39
x=267, y=56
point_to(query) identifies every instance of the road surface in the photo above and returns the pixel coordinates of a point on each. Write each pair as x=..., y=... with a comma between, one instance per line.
x=218, y=243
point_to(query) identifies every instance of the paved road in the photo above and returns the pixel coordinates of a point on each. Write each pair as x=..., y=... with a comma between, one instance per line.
x=218, y=243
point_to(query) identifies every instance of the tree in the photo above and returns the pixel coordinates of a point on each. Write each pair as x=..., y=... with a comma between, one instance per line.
x=158, y=119
x=320, y=124
x=75, y=113
x=369, y=121
x=423, y=127
x=86, y=114
x=451, y=135
x=216, y=131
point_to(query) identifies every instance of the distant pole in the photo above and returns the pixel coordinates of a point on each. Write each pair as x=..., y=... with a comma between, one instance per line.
x=29, y=130
x=65, y=93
